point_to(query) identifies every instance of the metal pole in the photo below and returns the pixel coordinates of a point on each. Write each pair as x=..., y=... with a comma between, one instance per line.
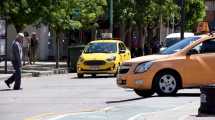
x=5, y=37
x=57, y=49
x=182, y=19
x=6, y=46
x=111, y=16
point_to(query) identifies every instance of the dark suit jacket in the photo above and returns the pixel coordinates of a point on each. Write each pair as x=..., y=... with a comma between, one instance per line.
x=16, y=54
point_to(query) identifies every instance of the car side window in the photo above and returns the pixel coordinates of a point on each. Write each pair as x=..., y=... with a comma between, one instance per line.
x=206, y=47
x=122, y=46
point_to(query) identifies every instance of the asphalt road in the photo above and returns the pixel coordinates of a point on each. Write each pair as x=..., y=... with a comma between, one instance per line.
x=65, y=97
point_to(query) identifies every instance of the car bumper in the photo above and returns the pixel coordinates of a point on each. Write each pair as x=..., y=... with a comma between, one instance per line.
x=110, y=68
x=135, y=81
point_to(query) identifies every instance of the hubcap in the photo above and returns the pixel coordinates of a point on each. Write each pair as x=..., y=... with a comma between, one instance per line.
x=167, y=83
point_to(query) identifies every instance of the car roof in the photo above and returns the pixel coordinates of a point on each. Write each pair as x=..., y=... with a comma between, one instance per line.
x=178, y=35
x=106, y=41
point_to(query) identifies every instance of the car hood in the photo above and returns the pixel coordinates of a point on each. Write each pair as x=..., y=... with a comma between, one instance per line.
x=97, y=56
x=146, y=58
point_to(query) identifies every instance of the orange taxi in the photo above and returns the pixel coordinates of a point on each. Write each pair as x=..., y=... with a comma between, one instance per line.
x=188, y=63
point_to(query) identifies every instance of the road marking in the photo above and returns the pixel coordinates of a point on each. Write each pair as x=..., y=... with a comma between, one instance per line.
x=59, y=116
x=148, y=113
x=36, y=117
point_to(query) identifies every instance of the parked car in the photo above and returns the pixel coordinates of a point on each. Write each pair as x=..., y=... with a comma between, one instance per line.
x=173, y=38
x=187, y=64
x=101, y=57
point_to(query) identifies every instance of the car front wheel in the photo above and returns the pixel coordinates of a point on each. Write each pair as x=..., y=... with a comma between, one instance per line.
x=166, y=83
x=80, y=75
x=144, y=93
x=93, y=75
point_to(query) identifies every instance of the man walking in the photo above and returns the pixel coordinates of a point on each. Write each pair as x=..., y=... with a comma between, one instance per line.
x=16, y=62
x=33, y=47
x=25, y=45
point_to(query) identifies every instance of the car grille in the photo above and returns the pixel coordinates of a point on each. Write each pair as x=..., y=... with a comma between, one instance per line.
x=124, y=69
x=94, y=62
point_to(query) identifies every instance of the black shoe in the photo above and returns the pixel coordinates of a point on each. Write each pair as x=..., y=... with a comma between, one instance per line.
x=8, y=85
x=17, y=88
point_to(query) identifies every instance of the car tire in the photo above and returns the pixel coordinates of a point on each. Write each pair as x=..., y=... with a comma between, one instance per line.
x=144, y=93
x=117, y=71
x=167, y=83
x=93, y=75
x=115, y=74
x=80, y=75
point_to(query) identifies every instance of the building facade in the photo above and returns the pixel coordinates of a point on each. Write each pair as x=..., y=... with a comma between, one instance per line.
x=210, y=13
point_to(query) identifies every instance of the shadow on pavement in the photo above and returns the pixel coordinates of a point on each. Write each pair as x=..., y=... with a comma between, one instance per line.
x=3, y=90
x=140, y=98
x=187, y=95
x=91, y=77
x=204, y=115
x=181, y=95
x=128, y=100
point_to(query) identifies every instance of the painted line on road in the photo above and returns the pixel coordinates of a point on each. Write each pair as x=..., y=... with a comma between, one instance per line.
x=148, y=113
x=81, y=113
x=62, y=115
x=36, y=117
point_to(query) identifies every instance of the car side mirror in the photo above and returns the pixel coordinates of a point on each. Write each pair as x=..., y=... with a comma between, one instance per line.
x=121, y=51
x=192, y=51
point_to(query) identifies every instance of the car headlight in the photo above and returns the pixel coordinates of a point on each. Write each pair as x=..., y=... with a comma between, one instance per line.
x=112, y=58
x=81, y=59
x=143, y=67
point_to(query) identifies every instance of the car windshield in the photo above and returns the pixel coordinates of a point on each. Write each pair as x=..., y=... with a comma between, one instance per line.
x=180, y=45
x=101, y=48
x=171, y=41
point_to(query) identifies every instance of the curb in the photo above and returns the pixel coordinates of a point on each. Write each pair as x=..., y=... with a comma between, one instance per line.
x=39, y=73
x=47, y=73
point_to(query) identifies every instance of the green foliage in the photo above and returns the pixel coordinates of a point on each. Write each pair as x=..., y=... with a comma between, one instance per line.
x=148, y=12
x=194, y=13
x=20, y=12
x=73, y=14
x=59, y=14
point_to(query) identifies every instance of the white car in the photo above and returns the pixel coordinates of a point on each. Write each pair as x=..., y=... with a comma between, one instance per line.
x=173, y=38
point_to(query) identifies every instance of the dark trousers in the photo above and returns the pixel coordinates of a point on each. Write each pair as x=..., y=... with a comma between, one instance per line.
x=16, y=77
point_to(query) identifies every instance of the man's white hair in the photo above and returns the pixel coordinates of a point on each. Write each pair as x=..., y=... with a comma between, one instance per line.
x=20, y=35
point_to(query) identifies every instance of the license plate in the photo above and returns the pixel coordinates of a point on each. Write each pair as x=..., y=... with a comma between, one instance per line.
x=94, y=67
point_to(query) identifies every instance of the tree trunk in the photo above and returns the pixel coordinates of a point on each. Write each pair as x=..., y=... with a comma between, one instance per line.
x=141, y=37
x=122, y=31
x=129, y=36
x=94, y=34
x=57, y=48
x=18, y=28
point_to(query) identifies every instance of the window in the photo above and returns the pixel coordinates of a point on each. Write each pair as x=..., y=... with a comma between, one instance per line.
x=179, y=45
x=206, y=47
x=101, y=48
x=122, y=46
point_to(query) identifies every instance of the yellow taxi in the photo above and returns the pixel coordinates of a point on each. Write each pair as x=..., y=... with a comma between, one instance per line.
x=187, y=64
x=102, y=57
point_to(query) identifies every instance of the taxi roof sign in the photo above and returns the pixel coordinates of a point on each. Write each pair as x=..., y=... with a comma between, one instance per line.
x=107, y=35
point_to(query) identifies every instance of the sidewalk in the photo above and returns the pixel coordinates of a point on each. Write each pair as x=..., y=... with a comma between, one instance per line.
x=184, y=112
x=36, y=70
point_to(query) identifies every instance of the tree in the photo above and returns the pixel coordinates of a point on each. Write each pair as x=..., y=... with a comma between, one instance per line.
x=21, y=13
x=59, y=15
x=194, y=13
x=147, y=15
x=71, y=14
